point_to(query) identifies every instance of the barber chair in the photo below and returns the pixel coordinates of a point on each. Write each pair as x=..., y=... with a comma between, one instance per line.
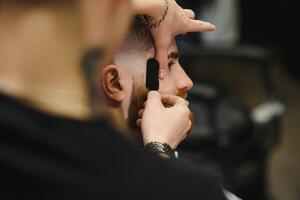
x=230, y=138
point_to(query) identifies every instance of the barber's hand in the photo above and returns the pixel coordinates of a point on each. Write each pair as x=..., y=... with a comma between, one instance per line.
x=177, y=21
x=168, y=124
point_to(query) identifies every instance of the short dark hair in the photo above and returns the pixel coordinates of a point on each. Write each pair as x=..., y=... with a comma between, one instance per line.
x=138, y=38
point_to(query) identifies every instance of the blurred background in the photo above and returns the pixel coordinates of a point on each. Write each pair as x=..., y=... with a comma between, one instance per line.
x=246, y=95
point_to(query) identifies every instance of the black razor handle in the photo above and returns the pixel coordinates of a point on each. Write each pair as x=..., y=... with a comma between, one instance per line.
x=152, y=82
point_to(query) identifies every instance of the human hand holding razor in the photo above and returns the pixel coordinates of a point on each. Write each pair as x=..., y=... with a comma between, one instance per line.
x=164, y=124
x=164, y=118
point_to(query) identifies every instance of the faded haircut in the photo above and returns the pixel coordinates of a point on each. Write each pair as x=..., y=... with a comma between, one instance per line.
x=138, y=38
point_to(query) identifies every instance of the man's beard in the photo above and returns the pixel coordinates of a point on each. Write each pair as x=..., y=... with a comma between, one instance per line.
x=138, y=97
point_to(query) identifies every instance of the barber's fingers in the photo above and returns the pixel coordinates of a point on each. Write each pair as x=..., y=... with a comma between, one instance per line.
x=188, y=130
x=153, y=99
x=199, y=26
x=185, y=135
x=189, y=13
x=153, y=95
x=171, y=100
x=162, y=57
x=139, y=122
x=165, y=100
x=162, y=42
x=140, y=113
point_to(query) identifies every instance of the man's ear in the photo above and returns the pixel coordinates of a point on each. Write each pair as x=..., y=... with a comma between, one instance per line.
x=110, y=80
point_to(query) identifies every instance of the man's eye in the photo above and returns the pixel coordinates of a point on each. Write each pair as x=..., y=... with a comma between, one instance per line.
x=171, y=64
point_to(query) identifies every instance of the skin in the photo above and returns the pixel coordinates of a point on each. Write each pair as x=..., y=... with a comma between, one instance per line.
x=129, y=93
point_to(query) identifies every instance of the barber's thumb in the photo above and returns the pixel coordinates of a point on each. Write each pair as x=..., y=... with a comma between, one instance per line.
x=154, y=98
x=153, y=95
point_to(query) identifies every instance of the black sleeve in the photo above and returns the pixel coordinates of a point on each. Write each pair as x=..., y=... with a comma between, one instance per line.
x=45, y=157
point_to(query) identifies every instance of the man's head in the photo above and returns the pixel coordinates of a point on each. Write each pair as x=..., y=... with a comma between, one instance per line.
x=124, y=81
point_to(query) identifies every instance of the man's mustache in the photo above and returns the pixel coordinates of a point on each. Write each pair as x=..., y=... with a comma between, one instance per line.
x=183, y=94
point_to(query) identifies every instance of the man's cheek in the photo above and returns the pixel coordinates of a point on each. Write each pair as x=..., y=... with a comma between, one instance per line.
x=168, y=88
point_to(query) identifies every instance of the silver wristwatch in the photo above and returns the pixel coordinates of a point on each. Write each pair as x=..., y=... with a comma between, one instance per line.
x=158, y=147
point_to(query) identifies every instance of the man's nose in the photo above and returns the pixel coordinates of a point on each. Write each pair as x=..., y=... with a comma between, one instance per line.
x=184, y=82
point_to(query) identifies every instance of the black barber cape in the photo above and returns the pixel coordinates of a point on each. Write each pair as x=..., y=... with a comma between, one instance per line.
x=46, y=157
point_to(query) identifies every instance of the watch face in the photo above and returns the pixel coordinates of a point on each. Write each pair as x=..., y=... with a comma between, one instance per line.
x=157, y=147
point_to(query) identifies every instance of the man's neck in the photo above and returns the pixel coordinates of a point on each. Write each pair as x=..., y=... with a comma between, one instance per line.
x=39, y=60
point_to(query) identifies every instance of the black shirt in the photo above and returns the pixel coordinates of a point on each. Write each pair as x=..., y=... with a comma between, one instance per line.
x=47, y=157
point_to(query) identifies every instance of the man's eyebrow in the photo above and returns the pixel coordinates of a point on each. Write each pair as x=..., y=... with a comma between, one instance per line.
x=173, y=55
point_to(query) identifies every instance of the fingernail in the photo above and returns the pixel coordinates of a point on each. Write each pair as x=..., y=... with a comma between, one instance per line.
x=213, y=26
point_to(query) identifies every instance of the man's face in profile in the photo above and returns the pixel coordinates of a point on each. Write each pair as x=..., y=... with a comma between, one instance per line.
x=125, y=82
x=176, y=82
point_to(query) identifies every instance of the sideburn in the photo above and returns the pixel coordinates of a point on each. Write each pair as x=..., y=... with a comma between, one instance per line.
x=138, y=97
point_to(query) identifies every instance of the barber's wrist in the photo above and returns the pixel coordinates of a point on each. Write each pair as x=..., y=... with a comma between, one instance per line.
x=162, y=149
